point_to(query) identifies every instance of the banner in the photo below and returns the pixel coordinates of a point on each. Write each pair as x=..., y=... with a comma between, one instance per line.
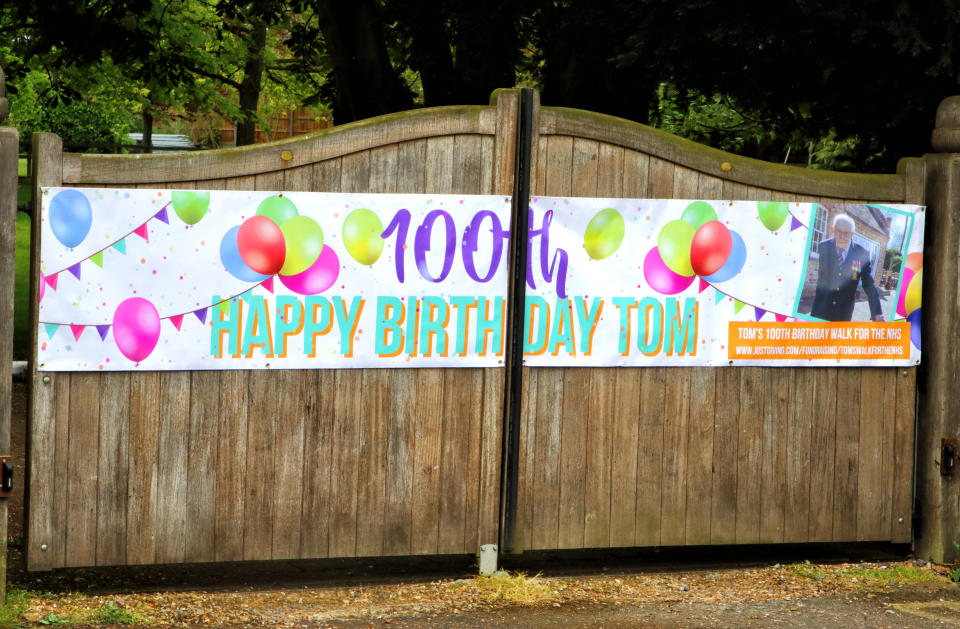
x=687, y=283
x=159, y=280
x=162, y=280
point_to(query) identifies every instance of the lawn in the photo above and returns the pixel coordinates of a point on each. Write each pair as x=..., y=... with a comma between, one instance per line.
x=21, y=290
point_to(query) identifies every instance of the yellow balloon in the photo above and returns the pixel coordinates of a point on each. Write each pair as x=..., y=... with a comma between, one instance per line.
x=361, y=236
x=912, y=301
x=604, y=234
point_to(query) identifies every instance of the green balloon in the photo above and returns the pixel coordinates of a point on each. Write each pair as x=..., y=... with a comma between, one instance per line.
x=773, y=214
x=698, y=213
x=190, y=206
x=604, y=234
x=674, y=243
x=304, y=240
x=361, y=236
x=278, y=209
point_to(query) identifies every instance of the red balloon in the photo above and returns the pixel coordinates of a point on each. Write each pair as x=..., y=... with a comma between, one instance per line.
x=710, y=248
x=261, y=245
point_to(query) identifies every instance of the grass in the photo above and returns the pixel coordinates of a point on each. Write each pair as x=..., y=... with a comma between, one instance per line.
x=113, y=614
x=21, y=290
x=864, y=577
x=514, y=587
x=17, y=601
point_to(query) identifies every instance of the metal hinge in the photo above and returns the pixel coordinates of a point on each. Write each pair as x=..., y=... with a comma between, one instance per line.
x=6, y=476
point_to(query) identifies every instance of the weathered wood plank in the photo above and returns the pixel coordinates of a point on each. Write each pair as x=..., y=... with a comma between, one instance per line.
x=546, y=493
x=676, y=419
x=143, y=435
x=904, y=440
x=703, y=398
x=425, y=503
x=82, y=482
x=318, y=396
x=345, y=463
x=573, y=433
x=170, y=512
x=750, y=424
x=847, y=455
x=459, y=456
x=778, y=385
x=9, y=140
x=624, y=435
x=491, y=443
x=823, y=440
x=874, y=406
x=401, y=444
x=723, y=507
x=653, y=387
x=113, y=469
x=288, y=464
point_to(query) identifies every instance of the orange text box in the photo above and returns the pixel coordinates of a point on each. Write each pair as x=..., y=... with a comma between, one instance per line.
x=804, y=341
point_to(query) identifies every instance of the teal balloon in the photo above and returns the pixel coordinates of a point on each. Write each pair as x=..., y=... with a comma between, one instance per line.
x=674, y=243
x=698, y=213
x=604, y=234
x=361, y=236
x=773, y=214
x=304, y=240
x=278, y=209
x=190, y=206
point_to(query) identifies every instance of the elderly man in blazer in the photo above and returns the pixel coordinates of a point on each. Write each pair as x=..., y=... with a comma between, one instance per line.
x=843, y=265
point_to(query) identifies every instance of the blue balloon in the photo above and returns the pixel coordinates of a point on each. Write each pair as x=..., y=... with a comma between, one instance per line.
x=914, y=319
x=738, y=255
x=70, y=217
x=230, y=256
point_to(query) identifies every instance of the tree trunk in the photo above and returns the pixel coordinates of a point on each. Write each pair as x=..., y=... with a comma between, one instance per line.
x=249, y=92
x=365, y=80
x=430, y=52
x=486, y=50
x=147, y=131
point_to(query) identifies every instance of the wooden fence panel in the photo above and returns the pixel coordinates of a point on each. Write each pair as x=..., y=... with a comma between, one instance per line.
x=233, y=465
x=706, y=456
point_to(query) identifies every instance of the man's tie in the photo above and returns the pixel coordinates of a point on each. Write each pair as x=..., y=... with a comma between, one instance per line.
x=840, y=253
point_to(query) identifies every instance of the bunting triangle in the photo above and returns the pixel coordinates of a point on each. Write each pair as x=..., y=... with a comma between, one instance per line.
x=703, y=285
x=77, y=331
x=142, y=232
x=201, y=314
x=758, y=313
x=268, y=284
x=97, y=259
x=780, y=318
x=51, y=281
x=718, y=296
x=794, y=223
x=121, y=246
x=75, y=270
x=162, y=215
x=224, y=307
x=51, y=329
x=176, y=320
x=738, y=305
x=103, y=329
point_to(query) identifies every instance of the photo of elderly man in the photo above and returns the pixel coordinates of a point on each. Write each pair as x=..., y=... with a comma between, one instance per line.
x=843, y=265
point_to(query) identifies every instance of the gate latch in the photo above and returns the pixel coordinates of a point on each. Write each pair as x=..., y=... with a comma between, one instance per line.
x=949, y=451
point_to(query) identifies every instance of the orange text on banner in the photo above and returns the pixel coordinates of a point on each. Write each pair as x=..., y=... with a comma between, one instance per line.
x=802, y=341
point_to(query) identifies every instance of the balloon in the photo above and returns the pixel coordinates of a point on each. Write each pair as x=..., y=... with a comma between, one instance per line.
x=136, y=328
x=42, y=288
x=260, y=243
x=738, y=255
x=904, y=284
x=319, y=277
x=361, y=236
x=230, y=257
x=674, y=244
x=604, y=234
x=277, y=208
x=190, y=205
x=773, y=214
x=914, y=261
x=698, y=213
x=304, y=240
x=70, y=217
x=710, y=248
x=660, y=277
x=914, y=320
x=912, y=299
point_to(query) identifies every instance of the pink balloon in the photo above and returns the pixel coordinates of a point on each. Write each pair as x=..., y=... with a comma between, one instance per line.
x=320, y=276
x=261, y=245
x=710, y=248
x=43, y=282
x=661, y=278
x=136, y=328
x=908, y=274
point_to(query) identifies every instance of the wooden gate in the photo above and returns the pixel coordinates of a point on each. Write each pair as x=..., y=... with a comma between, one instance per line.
x=142, y=468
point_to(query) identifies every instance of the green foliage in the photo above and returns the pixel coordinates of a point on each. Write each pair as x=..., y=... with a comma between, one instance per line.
x=17, y=601
x=954, y=573
x=78, y=123
x=896, y=575
x=892, y=260
x=52, y=620
x=21, y=291
x=113, y=614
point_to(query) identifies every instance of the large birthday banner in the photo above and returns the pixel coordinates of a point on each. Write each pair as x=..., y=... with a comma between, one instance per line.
x=163, y=280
